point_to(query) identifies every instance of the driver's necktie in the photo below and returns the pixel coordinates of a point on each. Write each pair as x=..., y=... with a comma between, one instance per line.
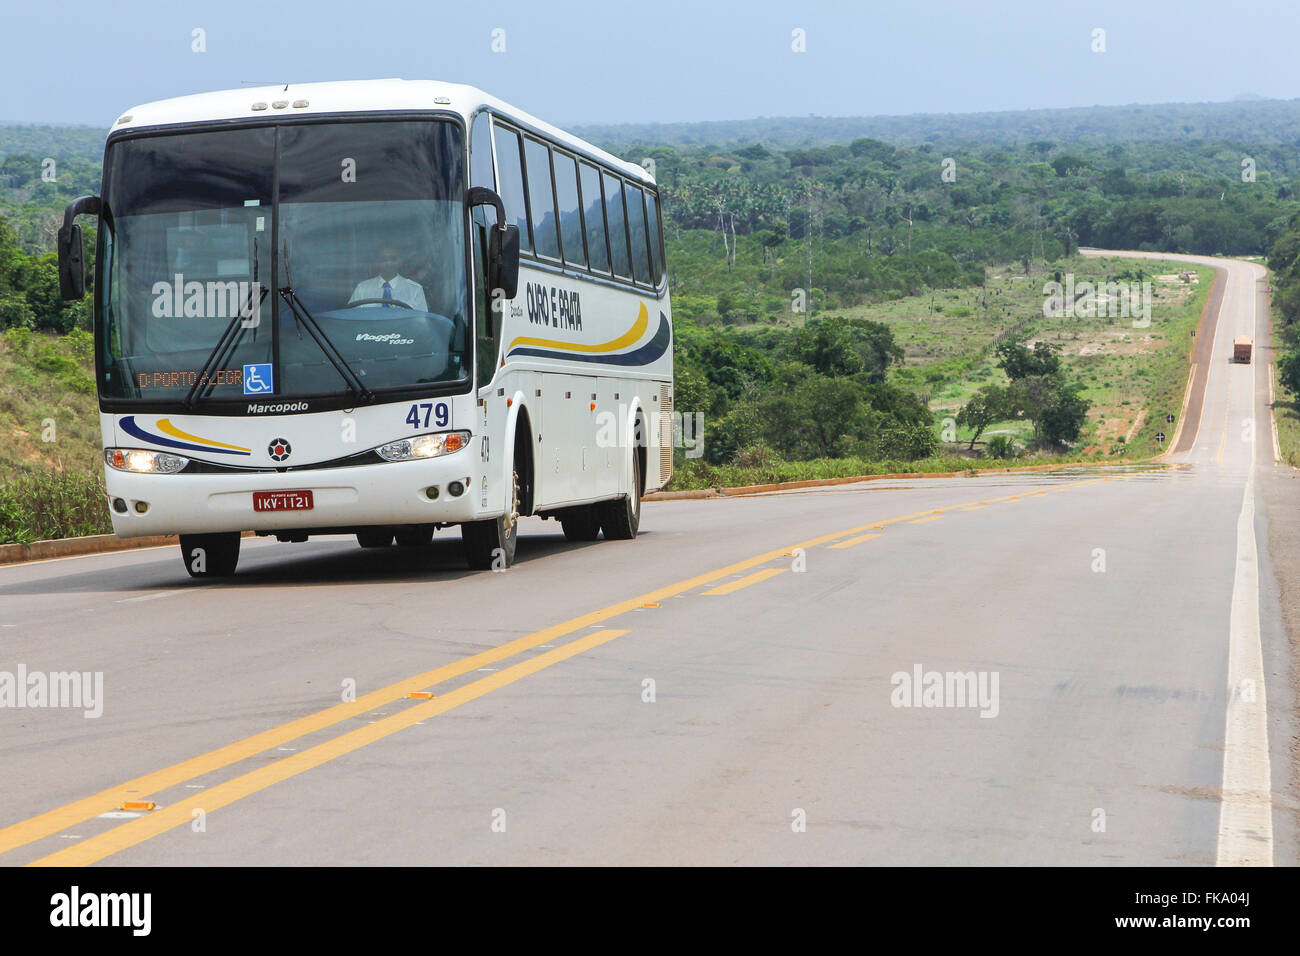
x=388, y=291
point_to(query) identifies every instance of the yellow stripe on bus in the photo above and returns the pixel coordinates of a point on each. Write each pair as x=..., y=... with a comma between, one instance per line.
x=629, y=337
x=166, y=427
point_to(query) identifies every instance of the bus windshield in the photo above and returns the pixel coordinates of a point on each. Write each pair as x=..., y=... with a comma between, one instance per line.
x=234, y=261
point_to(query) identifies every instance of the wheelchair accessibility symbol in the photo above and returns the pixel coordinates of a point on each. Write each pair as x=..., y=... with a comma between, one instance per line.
x=257, y=379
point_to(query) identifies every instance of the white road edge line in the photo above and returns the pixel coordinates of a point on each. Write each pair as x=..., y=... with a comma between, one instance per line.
x=1246, y=811
x=150, y=597
x=1272, y=415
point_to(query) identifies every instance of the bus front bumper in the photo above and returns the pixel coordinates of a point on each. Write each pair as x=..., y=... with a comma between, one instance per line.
x=365, y=495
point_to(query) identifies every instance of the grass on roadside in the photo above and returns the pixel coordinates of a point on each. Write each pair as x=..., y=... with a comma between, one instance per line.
x=1288, y=423
x=695, y=474
x=48, y=413
x=40, y=503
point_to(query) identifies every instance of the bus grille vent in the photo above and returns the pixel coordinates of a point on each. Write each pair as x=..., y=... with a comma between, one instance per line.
x=665, y=434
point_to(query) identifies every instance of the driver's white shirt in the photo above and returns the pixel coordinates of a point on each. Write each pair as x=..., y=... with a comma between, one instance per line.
x=404, y=290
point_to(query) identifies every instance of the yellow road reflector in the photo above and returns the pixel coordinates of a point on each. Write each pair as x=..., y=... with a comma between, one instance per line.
x=420, y=695
x=139, y=805
x=649, y=605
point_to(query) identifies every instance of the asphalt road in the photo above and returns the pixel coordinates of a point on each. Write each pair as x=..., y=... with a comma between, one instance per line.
x=727, y=688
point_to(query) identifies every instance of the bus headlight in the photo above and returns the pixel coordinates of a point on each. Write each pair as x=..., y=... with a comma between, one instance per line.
x=423, y=446
x=144, y=462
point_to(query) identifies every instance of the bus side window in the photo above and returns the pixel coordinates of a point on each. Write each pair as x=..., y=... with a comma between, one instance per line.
x=617, y=220
x=511, y=183
x=566, y=191
x=656, y=249
x=637, y=232
x=593, y=214
x=541, y=200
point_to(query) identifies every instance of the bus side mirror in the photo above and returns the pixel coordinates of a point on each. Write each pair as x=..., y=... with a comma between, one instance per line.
x=503, y=245
x=72, y=268
x=72, y=271
x=503, y=260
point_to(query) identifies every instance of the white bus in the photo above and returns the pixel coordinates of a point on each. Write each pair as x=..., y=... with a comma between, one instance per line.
x=372, y=308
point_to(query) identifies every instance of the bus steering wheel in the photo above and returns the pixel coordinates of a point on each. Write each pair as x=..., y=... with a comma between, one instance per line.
x=357, y=302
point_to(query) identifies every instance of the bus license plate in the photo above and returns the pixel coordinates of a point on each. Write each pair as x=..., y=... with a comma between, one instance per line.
x=282, y=501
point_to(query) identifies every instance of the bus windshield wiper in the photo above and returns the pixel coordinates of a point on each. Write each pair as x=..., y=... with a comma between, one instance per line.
x=305, y=319
x=229, y=340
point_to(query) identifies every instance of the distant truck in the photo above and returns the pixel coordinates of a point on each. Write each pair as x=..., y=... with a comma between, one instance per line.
x=1241, y=349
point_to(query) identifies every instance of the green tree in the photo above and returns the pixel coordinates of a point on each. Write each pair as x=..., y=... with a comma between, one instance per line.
x=1290, y=372
x=907, y=441
x=986, y=406
x=1019, y=362
x=1063, y=417
x=820, y=418
x=828, y=347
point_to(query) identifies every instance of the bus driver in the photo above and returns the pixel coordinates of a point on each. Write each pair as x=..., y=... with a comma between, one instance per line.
x=389, y=284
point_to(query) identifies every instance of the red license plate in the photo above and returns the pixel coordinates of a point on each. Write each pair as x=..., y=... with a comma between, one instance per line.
x=282, y=501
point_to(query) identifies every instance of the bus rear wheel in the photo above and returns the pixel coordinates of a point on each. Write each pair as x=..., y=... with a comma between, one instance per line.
x=210, y=555
x=621, y=517
x=414, y=536
x=375, y=537
x=580, y=524
x=490, y=544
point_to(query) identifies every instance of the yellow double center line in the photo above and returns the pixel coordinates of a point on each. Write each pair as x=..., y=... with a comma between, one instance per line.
x=126, y=835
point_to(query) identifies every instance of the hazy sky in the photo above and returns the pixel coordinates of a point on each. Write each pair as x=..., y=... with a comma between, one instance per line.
x=87, y=61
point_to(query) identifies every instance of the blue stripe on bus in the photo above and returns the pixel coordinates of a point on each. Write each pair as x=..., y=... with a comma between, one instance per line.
x=129, y=426
x=644, y=355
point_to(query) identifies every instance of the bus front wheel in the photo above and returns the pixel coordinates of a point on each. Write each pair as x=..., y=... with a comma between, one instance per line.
x=490, y=544
x=210, y=555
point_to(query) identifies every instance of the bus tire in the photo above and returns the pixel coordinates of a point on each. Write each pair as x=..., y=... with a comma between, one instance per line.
x=580, y=524
x=414, y=536
x=375, y=538
x=210, y=555
x=621, y=517
x=491, y=544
